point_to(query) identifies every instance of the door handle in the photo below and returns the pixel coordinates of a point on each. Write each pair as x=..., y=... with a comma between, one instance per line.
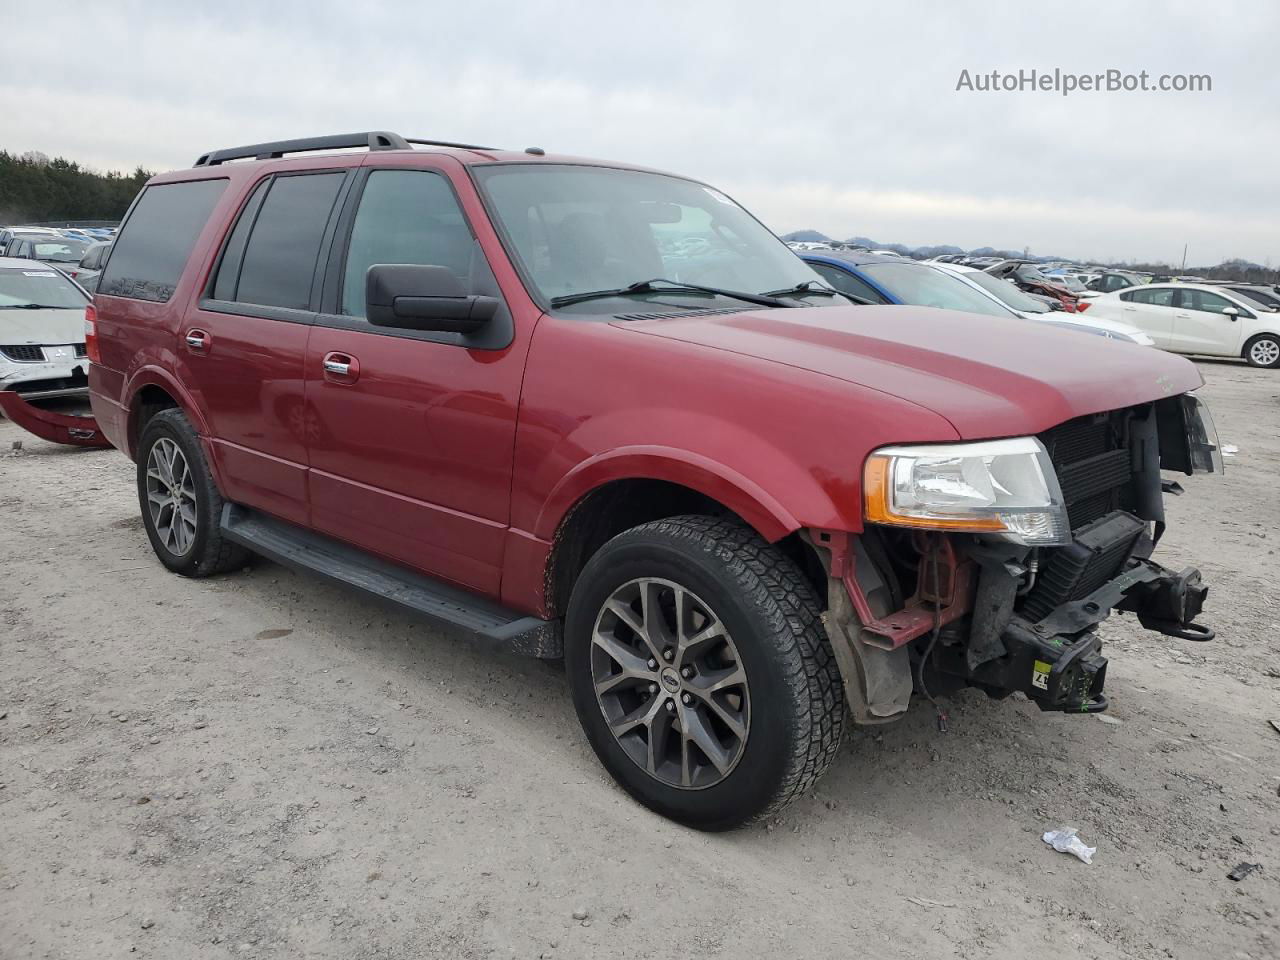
x=198, y=341
x=341, y=368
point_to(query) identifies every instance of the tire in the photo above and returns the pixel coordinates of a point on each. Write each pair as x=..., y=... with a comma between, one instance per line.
x=789, y=702
x=1263, y=351
x=194, y=548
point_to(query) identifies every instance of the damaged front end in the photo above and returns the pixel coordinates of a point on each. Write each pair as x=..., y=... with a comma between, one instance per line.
x=991, y=565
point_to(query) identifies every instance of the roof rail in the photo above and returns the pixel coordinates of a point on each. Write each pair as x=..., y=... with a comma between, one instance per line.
x=446, y=143
x=374, y=140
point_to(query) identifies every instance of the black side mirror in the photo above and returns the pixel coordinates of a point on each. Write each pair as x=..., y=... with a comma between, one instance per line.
x=413, y=296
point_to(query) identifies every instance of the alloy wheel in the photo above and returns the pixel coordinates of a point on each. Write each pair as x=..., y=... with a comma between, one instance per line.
x=670, y=683
x=171, y=496
x=1265, y=352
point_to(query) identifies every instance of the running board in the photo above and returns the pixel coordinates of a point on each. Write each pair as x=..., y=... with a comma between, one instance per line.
x=452, y=607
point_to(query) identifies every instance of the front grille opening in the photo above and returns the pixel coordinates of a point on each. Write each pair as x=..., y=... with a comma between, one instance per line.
x=23, y=353
x=1091, y=457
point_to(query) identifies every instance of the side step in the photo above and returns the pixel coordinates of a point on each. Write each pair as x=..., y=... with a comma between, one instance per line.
x=482, y=620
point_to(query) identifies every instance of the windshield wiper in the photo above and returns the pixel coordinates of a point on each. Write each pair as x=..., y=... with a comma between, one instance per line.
x=33, y=306
x=647, y=286
x=812, y=286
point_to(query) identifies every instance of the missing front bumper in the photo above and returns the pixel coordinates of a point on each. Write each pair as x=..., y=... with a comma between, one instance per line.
x=1057, y=660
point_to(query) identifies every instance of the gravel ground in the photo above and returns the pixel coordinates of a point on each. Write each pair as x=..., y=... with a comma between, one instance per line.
x=263, y=765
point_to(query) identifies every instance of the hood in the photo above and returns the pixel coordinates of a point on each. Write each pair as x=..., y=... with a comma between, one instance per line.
x=42, y=326
x=989, y=376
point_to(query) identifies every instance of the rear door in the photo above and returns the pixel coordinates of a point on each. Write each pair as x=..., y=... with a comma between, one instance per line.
x=413, y=432
x=1200, y=326
x=1150, y=309
x=241, y=349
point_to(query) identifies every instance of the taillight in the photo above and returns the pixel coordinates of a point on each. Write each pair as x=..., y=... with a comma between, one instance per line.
x=1068, y=305
x=1082, y=306
x=91, y=334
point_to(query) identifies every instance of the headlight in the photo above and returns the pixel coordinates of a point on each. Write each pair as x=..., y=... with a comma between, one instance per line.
x=1003, y=487
x=1202, y=436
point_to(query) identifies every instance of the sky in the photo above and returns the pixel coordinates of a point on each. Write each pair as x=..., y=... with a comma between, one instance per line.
x=842, y=117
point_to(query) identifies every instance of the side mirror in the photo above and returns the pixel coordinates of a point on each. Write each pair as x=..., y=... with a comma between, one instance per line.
x=1231, y=312
x=413, y=296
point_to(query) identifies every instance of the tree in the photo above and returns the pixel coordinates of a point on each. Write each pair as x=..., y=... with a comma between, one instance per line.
x=35, y=188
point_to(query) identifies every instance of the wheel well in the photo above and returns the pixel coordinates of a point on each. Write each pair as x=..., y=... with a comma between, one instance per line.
x=148, y=401
x=609, y=510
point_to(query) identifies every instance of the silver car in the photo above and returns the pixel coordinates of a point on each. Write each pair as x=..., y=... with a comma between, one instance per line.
x=42, y=351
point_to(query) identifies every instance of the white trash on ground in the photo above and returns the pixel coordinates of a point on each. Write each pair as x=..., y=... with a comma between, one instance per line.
x=1064, y=840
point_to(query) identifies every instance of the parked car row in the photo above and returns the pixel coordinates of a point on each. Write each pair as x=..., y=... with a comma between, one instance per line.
x=76, y=251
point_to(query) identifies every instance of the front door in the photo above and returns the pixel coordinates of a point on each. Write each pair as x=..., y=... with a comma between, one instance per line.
x=1200, y=326
x=413, y=432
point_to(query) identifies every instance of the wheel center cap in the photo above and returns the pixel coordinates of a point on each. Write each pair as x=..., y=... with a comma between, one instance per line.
x=670, y=679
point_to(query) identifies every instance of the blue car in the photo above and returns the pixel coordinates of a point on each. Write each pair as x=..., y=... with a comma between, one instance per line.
x=879, y=279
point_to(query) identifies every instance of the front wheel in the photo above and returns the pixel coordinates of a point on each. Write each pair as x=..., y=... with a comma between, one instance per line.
x=701, y=672
x=1263, y=351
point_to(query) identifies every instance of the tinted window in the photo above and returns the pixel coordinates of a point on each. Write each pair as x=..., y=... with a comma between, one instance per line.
x=407, y=216
x=1157, y=297
x=224, y=286
x=152, y=247
x=847, y=282
x=280, y=257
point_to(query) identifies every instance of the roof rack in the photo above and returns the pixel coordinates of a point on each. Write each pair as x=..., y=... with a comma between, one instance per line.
x=373, y=140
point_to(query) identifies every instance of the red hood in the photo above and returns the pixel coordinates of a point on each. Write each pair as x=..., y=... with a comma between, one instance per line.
x=988, y=376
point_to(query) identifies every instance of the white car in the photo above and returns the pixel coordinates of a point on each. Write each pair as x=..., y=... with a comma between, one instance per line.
x=42, y=352
x=1029, y=308
x=1196, y=318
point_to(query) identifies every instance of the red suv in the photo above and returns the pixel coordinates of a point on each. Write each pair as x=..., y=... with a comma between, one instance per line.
x=581, y=410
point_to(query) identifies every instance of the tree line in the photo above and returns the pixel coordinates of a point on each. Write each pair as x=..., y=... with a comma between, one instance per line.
x=35, y=188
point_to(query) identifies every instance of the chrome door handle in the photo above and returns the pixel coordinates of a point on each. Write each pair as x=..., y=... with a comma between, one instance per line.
x=337, y=367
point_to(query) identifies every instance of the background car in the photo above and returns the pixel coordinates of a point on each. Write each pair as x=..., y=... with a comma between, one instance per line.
x=87, y=271
x=52, y=248
x=1197, y=319
x=1029, y=306
x=42, y=350
x=1113, y=280
x=893, y=280
x=1028, y=277
x=1264, y=294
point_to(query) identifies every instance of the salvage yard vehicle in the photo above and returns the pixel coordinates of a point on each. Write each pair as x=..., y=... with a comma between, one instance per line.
x=1027, y=277
x=1031, y=307
x=583, y=410
x=42, y=351
x=1198, y=319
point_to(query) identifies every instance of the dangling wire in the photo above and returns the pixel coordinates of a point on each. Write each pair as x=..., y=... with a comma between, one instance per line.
x=933, y=640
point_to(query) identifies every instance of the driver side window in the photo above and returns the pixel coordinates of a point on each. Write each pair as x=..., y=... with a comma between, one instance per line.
x=408, y=216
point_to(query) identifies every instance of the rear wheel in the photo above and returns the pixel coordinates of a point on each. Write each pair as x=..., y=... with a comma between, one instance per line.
x=181, y=505
x=1263, y=351
x=701, y=672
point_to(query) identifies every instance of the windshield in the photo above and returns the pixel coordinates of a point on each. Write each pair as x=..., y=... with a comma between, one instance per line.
x=23, y=289
x=1031, y=274
x=59, y=251
x=581, y=229
x=927, y=287
x=1007, y=293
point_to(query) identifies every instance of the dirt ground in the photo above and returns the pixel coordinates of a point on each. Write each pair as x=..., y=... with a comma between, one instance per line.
x=263, y=765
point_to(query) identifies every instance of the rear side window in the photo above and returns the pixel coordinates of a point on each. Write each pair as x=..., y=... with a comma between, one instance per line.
x=151, y=251
x=280, y=256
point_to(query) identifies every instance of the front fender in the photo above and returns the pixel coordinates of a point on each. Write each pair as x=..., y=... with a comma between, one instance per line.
x=712, y=479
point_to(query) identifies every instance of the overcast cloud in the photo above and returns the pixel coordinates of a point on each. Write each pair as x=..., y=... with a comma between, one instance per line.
x=842, y=117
